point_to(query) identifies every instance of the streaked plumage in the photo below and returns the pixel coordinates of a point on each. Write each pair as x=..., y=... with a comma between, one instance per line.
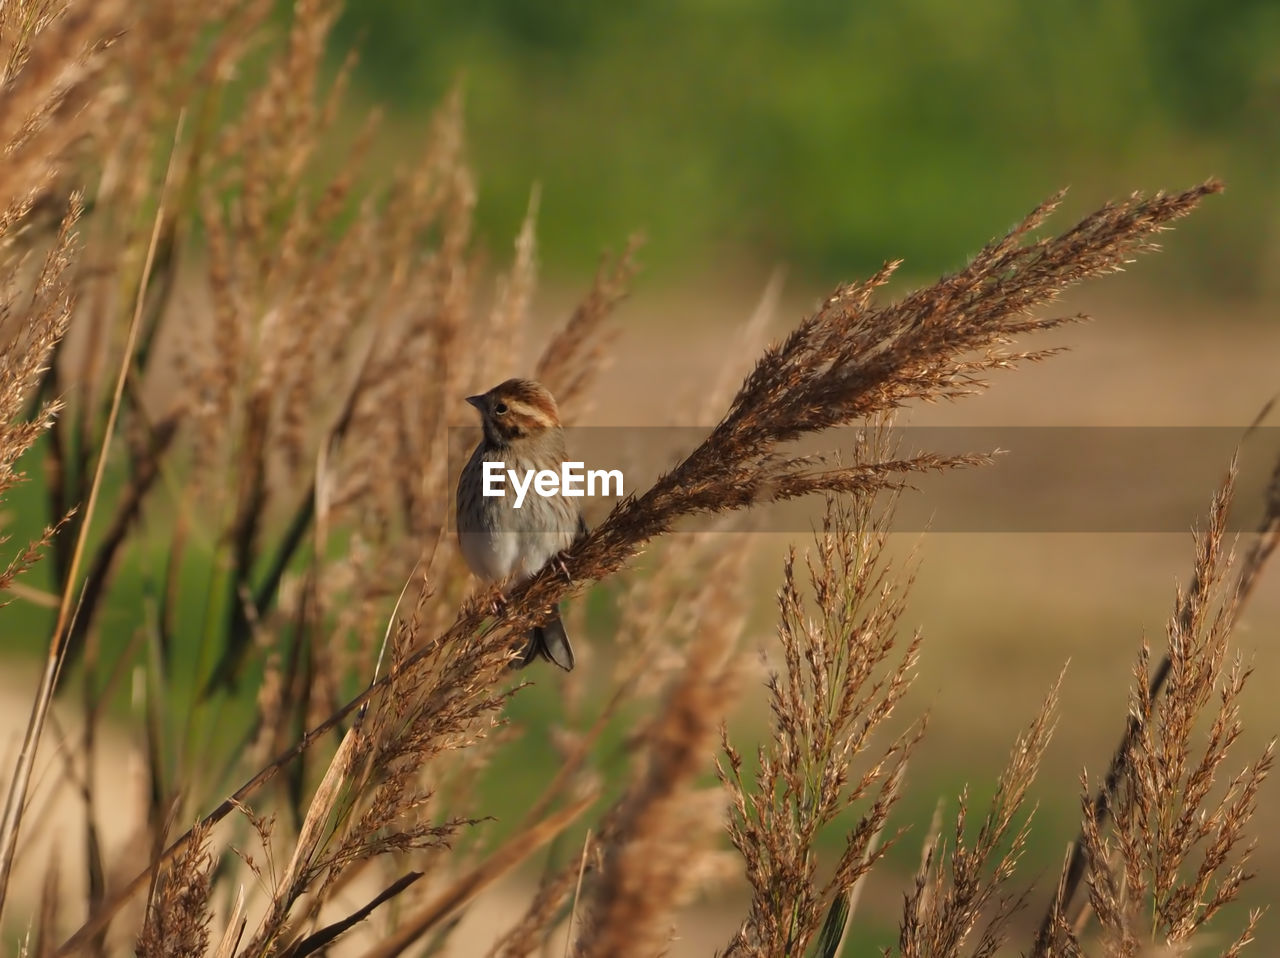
x=521, y=429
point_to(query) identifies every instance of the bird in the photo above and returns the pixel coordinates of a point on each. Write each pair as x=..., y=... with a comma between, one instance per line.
x=503, y=543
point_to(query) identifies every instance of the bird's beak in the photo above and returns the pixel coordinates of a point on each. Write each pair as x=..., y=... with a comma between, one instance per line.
x=477, y=401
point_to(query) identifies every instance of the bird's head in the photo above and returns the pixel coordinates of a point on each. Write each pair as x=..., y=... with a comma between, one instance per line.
x=516, y=409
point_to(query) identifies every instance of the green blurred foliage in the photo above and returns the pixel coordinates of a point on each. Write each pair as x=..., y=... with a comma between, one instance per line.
x=834, y=135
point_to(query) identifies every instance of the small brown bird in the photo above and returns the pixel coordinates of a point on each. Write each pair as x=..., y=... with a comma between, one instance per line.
x=502, y=540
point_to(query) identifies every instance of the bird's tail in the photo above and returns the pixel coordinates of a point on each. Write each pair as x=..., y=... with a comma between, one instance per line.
x=548, y=641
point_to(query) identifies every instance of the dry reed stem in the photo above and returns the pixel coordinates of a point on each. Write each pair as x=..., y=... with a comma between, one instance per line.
x=178, y=916
x=1175, y=853
x=837, y=687
x=46, y=926
x=297, y=874
x=956, y=888
x=234, y=931
x=1268, y=535
x=505, y=858
x=322, y=938
x=577, y=892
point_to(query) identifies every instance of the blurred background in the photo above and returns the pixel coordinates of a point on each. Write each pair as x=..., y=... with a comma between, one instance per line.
x=830, y=136
x=813, y=141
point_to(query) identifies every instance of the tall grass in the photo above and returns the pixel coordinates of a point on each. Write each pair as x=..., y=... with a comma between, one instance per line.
x=234, y=361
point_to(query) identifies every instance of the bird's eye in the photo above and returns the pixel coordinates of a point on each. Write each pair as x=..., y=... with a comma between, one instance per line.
x=500, y=409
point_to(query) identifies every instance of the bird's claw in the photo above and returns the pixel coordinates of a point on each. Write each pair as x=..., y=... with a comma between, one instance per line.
x=564, y=569
x=497, y=604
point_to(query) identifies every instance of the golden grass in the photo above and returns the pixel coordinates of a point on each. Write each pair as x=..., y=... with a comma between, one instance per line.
x=298, y=462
